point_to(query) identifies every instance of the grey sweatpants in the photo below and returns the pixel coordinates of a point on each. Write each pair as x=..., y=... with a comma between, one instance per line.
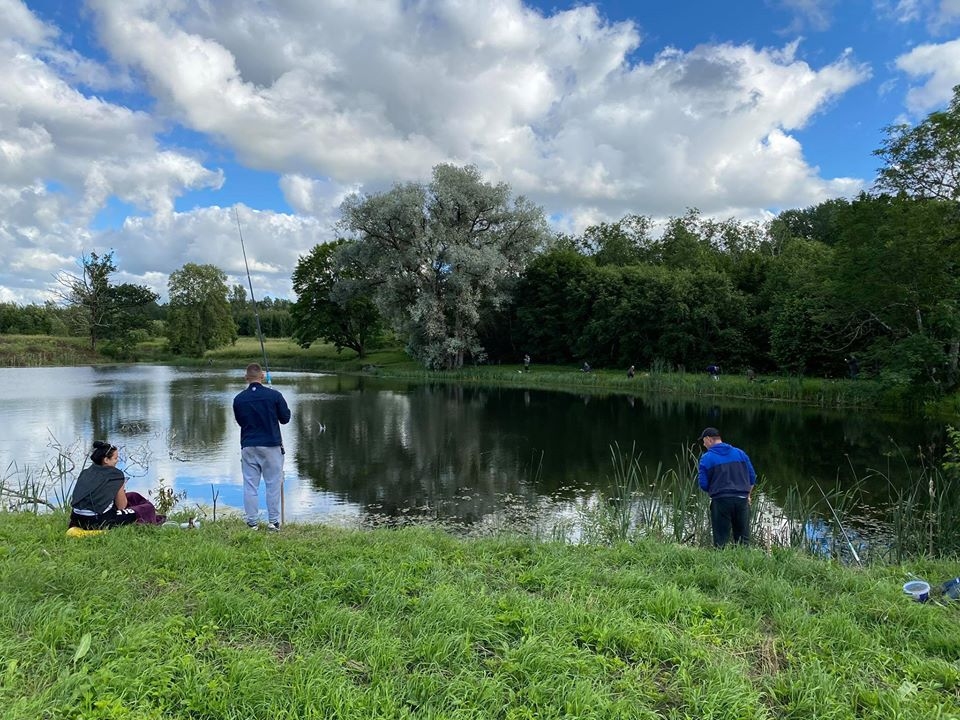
x=268, y=463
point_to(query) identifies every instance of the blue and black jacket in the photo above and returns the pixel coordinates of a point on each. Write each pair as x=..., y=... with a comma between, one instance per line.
x=259, y=412
x=726, y=471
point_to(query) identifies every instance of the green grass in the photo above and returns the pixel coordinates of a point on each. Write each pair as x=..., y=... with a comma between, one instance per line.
x=43, y=350
x=222, y=622
x=807, y=391
x=284, y=354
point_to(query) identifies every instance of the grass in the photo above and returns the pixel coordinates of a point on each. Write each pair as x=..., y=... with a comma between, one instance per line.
x=42, y=350
x=284, y=354
x=222, y=622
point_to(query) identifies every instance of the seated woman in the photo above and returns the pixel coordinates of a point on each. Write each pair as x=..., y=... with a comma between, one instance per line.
x=100, y=499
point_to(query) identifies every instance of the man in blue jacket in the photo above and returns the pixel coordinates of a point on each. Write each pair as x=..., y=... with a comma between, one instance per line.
x=259, y=411
x=727, y=474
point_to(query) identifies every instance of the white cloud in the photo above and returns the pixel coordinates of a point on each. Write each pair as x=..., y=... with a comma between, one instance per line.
x=63, y=154
x=815, y=14
x=937, y=15
x=939, y=65
x=339, y=97
x=316, y=198
x=548, y=103
x=948, y=12
x=273, y=243
x=22, y=25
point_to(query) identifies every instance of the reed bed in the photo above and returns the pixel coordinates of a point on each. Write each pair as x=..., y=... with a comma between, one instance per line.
x=917, y=519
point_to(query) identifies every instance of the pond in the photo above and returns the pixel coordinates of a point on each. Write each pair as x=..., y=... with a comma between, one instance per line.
x=363, y=449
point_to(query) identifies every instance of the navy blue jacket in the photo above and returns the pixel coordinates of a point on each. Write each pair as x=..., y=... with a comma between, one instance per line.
x=726, y=471
x=259, y=411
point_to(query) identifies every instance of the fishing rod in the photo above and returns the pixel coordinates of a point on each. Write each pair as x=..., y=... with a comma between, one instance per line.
x=263, y=348
x=840, y=524
x=253, y=299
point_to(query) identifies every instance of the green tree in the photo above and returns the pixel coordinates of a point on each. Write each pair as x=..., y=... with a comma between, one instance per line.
x=801, y=319
x=897, y=270
x=817, y=222
x=103, y=310
x=199, y=316
x=441, y=252
x=334, y=300
x=624, y=242
x=923, y=160
x=553, y=303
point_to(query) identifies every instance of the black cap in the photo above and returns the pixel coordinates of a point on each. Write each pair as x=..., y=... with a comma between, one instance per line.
x=709, y=432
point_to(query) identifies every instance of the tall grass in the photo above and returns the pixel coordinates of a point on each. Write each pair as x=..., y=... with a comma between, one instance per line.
x=322, y=623
x=47, y=486
x=661, y=504
x=921, y=520
x=918, y=519
x=43, y=351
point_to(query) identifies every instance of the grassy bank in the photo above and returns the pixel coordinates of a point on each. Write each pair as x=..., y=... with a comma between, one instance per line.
x=394, y=363
x=43, y=350
x=222, y=622
x=284, y=354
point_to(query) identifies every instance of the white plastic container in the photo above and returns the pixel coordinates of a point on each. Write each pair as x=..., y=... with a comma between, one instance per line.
x=919, y=589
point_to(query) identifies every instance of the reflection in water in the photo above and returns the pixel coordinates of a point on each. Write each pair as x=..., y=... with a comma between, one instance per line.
x=198, y=414
x=364, y=446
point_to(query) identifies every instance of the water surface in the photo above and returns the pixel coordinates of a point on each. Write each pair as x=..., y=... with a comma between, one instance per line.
x=364, y=447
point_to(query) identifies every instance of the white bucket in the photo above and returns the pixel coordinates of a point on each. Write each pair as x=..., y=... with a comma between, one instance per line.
x=918, y=589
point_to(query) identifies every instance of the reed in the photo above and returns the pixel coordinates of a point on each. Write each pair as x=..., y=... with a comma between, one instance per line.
x=662, y=504
x=824, y=521
x=917, y=519
x=924, y=518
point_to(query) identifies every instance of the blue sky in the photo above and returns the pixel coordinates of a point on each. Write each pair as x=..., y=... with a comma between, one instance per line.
x=139, y=126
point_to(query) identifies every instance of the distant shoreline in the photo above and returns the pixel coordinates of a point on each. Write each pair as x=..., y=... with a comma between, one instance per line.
x=284, y=354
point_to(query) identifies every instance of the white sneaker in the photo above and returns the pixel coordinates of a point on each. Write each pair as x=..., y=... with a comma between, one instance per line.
x=253, y=526
x=273, y=527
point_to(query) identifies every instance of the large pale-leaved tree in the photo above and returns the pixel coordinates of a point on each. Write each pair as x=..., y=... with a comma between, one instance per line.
x=440, y=253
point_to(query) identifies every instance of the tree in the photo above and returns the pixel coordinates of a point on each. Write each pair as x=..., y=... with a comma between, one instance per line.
x=897, y=270
x=624, y=242
x=199, y=314
x=334, y=300
x=923, y=161
x=105, y=311
x=439, y=253
x=801, y=318
x=553, y=301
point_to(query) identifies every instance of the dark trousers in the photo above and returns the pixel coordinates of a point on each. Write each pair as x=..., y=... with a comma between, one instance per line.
x=730, y=513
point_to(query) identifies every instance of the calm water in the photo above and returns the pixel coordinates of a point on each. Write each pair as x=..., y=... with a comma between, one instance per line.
x=362, y=448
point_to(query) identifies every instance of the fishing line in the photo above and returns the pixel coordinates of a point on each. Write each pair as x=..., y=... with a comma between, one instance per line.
x=263, y=348
x=253, y=299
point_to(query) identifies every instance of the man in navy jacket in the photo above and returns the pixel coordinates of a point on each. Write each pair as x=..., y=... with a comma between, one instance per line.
x=727, y=474
x=259, y=411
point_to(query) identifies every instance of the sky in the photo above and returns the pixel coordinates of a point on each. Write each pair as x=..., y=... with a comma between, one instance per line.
x=150, y=127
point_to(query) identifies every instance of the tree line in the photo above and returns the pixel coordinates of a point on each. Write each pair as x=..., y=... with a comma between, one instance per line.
x=462, y=272
x=202, y=312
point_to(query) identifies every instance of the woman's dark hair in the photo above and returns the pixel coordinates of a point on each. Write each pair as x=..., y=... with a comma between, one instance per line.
x=101, y=451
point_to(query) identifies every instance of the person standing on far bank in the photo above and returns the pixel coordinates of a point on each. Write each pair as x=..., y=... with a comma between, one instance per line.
x=727, y=475
x=259, y=411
